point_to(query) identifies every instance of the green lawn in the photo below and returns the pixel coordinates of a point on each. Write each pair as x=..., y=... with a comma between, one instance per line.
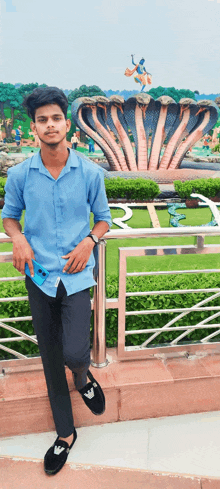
x=141, y=219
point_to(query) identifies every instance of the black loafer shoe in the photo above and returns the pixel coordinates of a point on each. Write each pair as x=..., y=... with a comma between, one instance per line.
x=56, y=456
x=93, y=395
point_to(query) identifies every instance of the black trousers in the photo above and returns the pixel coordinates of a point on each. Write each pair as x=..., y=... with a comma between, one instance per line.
x=62, y=326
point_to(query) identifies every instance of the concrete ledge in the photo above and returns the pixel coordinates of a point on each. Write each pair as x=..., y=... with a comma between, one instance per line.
x=16, y=473
x=137, y=389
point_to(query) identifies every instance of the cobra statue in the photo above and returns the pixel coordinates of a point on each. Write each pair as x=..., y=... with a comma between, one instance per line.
x=162, y=130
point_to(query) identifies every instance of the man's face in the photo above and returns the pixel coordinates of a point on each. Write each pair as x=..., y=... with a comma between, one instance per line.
x=50, y=124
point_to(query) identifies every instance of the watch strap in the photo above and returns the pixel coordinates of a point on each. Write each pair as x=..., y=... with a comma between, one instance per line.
x=91, y=236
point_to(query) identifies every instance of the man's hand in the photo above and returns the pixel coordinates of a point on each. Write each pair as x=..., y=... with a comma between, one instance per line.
x=78, y=258
x=22, y=253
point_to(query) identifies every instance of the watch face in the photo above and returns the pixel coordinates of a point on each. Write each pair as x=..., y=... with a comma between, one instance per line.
x=95, y=238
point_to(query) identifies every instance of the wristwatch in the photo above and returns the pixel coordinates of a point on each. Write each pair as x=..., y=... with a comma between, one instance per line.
x=94, y=238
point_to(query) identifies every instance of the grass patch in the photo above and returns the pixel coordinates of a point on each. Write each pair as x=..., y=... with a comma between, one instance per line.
x=141, y=219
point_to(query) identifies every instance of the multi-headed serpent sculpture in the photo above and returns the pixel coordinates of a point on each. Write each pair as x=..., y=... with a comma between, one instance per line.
x=154, y=124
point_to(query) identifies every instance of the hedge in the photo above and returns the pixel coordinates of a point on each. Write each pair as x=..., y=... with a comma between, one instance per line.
x=140, y=188
x=216, y=149
x=134, y=284
x=209, y=187
x=2, y=186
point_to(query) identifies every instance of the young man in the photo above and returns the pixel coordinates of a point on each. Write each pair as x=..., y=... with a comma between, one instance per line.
x=58, y=189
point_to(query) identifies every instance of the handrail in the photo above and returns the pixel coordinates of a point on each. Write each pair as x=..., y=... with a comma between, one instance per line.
x=100, y=304
x=154, y=232
x=149, y=232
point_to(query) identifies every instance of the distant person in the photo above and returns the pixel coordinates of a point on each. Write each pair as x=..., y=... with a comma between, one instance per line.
x=91, y=145
x=206, y=140
x=215, y=135
x=18, y=134
x=74, y=141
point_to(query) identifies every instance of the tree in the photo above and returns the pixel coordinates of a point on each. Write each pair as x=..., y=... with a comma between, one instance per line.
x=171, y=92
x=12, y=99
x=186, y=93
x=25, y=90
x=85, y=91
x=157, y=92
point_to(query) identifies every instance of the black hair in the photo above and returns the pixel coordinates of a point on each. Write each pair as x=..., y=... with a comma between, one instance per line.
x=44, y=96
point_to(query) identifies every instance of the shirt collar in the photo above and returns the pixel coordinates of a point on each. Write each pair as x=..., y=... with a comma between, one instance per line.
x=36, y=162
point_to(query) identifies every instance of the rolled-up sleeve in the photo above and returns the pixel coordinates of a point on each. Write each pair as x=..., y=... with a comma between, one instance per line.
x=14, y=203
x=98, y=199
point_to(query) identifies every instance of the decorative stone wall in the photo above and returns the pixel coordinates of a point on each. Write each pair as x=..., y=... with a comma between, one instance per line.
x=6, y=161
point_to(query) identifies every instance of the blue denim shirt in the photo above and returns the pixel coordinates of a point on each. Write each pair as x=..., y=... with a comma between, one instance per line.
x=57, y=214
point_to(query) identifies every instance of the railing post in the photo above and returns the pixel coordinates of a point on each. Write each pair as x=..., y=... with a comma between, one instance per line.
x=99, y=340
x=200, y=242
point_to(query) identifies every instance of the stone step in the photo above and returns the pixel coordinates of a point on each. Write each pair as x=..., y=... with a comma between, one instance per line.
x=24, y=474
x=176, y=452
x=135, y=389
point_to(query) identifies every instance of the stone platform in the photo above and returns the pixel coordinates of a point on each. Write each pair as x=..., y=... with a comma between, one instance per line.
x=166, y=176
x=160, y=429
x=136, y=389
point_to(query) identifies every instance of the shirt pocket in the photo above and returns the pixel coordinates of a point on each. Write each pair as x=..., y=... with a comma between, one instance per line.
x=73, y=202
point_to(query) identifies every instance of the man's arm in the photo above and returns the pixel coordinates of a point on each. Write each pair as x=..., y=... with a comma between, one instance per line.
x=100, y=228
x=78, y=258
x=22, y=252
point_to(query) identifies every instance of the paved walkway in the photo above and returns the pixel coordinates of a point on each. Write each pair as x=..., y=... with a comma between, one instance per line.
x=186, y=444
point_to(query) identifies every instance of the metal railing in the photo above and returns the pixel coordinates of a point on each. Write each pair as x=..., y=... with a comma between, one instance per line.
x=100, y=304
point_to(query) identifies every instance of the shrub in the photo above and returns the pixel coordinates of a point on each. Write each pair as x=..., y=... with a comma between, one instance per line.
x=2, y=186
x=138, y=188
x=209, y=187
x=9, y=140
x=216, y=148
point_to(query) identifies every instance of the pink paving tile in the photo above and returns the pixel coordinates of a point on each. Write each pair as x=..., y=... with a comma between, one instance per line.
x=103, y=376
x=185, y=368
x=34, y=415
x=17, y=473
x=138, y=372
x=170, y=398
x=28, y=381
x=23, y=384
x=212, y=364
x=210, y=483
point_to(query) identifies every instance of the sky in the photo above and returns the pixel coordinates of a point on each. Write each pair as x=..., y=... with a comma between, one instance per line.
x=69, y=43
